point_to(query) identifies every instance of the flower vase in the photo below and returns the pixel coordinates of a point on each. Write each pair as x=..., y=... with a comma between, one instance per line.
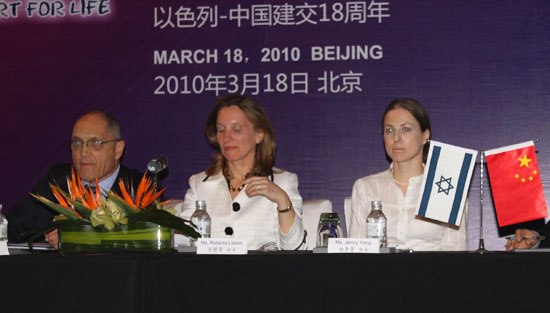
x=136, y=237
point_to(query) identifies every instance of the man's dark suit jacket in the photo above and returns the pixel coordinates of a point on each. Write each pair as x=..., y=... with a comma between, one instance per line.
x=546, y=233
x=30, y=214
x=537, y=225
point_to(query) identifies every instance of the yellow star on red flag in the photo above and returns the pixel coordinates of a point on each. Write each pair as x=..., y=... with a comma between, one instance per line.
x=524, y=161
x=517, y=191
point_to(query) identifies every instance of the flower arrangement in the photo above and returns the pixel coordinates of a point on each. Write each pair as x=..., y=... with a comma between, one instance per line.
x=135, y=214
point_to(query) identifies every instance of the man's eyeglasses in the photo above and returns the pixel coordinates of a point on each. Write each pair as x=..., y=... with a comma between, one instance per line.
x=95, y=144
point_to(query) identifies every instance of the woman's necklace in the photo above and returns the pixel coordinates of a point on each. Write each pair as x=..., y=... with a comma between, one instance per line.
x=400, y=183
x=233, y=189
x=228, y=179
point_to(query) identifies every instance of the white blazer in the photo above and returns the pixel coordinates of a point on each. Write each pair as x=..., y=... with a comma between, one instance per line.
x=254, y=220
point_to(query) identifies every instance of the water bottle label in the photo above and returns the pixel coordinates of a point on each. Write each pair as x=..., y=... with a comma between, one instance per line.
x=204, y=229
x=3, y=232
x=376, y=229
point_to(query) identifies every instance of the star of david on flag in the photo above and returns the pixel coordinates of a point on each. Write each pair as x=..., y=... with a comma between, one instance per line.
x=441, y=185
x=516, y=184
x=447, y=176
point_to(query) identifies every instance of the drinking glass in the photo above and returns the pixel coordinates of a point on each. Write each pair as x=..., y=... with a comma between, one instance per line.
x=329, y=227
x=269, y=247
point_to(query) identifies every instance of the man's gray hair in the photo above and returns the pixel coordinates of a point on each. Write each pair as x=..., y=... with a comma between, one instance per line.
x=112, y=122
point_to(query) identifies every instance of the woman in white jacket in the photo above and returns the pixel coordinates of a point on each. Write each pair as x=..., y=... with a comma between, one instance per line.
x=246, y=196
x=406, y=133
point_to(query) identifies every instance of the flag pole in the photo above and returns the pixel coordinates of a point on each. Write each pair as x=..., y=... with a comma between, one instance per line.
x=481, y=248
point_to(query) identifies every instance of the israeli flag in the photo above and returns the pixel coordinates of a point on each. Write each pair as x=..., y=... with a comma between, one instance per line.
x=447, y=176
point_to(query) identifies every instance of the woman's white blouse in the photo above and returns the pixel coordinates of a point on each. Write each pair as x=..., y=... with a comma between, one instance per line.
x=254, y=220
x=404, y=230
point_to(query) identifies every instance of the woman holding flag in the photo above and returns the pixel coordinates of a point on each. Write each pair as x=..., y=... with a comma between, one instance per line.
x=406, y=133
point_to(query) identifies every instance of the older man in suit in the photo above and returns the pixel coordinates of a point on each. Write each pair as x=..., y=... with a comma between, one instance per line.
x=96, y=148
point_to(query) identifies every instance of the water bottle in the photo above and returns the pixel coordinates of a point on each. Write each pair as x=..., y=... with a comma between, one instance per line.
x=202, y=221
x=3, y=226
x=376, y=223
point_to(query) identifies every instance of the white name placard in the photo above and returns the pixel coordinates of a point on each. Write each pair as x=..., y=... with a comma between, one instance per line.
x=353, y=245
x=221, y=246
x=4, y=247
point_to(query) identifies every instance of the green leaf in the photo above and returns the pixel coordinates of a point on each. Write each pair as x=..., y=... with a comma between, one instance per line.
x=34, y=234
x=81, y=208
x=165, y=219
x=118, y=215
x=128, y=209
x=57, y=207
x=78, y=206
x=101, y=217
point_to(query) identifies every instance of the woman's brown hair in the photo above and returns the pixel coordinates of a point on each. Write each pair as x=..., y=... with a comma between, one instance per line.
x=418, y=112
x=264, y=157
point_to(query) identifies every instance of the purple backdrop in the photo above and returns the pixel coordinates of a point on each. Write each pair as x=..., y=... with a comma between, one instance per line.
x=480, y=67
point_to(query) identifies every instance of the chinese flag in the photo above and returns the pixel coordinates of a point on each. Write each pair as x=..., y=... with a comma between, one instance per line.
x=516, y=184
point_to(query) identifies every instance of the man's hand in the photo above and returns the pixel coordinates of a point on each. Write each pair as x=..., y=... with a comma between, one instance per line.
x=52, y=238
x=524, y=239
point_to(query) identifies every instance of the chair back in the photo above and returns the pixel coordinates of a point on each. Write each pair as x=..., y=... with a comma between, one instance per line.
x=347, y=213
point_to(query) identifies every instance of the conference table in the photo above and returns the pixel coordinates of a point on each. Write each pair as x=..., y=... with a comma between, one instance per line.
x=276, y=282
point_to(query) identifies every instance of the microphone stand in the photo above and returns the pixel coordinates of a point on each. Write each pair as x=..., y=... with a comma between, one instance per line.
x=481, y=248
x=154, y=177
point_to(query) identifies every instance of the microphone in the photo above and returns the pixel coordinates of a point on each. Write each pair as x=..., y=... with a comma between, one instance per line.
x=157, y=164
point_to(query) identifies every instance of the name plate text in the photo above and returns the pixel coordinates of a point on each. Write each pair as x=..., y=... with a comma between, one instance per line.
x=353, y=245
x=221, y=246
